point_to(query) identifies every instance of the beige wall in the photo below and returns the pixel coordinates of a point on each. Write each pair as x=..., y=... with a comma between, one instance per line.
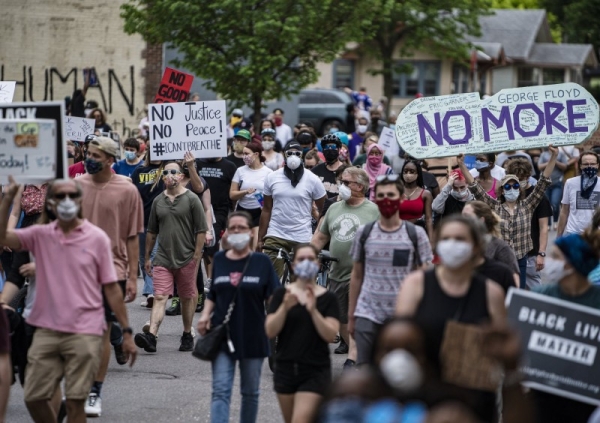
x=44, y=40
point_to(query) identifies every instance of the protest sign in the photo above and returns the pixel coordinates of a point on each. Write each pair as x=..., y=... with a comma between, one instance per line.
x=7, y=91
x=77, y=128
x=174, y=86
x=28, y=150
x=387, y=139
x=54, y=110
x=561, y=341
x=513, y=119
x=199, y=127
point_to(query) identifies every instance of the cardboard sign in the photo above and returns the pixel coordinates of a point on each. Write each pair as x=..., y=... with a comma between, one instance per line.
x=7, y=91
x=513, y=119
x=199, y=127
x=387, y=140
x=28, y=150
x=77, y=128
x=174, y=87
x=54, y=110
x=561, y=341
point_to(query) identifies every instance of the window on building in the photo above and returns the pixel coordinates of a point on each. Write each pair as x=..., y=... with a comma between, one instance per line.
x=460, y=79
x=528, y=77
x=553, y=76
x=423, y=77
x=343, y=73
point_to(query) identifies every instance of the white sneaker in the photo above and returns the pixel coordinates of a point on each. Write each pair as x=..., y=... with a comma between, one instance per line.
x=144, y=302
x=93, y=406
x=193, y=332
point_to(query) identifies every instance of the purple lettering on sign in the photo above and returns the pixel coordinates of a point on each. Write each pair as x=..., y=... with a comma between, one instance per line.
x=574, y=116
x=449, y=115
x=551, y=116
x=424, y=126
x=517, y=120
x=504, y=118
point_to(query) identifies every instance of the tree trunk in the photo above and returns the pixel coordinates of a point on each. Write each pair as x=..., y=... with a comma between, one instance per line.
x=257, y=109
x=388, y=78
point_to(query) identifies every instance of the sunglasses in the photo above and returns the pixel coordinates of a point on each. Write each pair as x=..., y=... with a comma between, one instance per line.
x=330, y=147
x=293, y=153
x=508, y=187
x=391, y=178
x=348, y=182
x=63, y=195
x=170, y=172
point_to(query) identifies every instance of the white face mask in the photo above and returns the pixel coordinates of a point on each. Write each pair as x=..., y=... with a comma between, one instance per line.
x=524, y=183
x=554, y=271
x=402, y=371
x=453, y=253
x=293, y=162
x=67, y=209
x=345, y=192
x=460, y=195
x=238, y=241
x=306, y=269
x=361, y=129
x=268, y=145
x=511, y=195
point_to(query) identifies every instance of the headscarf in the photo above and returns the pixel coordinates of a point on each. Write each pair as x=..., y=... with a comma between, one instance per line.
x=293, y=175
x=375, y=171
x=578, y=252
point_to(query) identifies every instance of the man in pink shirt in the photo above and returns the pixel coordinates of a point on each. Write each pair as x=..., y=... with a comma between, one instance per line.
x=74, y=267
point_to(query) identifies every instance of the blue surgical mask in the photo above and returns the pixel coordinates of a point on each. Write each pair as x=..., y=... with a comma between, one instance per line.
x=481, y=165
x=512, y=195
x=130, y=155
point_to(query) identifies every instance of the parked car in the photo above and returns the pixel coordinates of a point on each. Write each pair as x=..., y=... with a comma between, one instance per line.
x=323, y=107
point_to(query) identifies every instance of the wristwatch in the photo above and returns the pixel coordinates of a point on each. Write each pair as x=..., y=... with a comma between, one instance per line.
x=541, y=254
x=127, y=330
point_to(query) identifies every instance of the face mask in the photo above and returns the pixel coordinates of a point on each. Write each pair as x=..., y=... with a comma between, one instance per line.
x=238, y=241
x=130, y=155
x=293, y=162
x=554, y=271
x=268, y=145
x=306, y=269
x=234, y=120
x=171, y=181
x=238, y=147
x=67, y=210
x=333, y=130
x=402, y=371
x=511, y=195
x=362, y=129
x=92, y=166
x=248, y=160
x=305, y=150
x=387, y=207
x=453, y=253
x=460, y=195
x=278, y=121
x=590, y=172
x=481, y=165
x=344, y=155
x=375, y=160
x=409, y=177
x=524, y=183
x=331, y=156
x=345, y=192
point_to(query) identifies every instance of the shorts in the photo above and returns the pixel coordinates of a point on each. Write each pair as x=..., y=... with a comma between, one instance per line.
x=109, y=316
x=291, y=377
x=254, y=213
x=54, y=355
x=342, y=293
x=185, y=278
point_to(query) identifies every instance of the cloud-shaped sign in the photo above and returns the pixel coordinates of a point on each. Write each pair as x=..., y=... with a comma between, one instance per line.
x=512, y=119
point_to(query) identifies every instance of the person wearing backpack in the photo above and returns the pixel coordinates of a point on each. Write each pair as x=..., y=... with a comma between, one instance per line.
x=384, y=253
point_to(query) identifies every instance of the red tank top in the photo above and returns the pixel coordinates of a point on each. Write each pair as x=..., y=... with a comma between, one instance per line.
x=412, y=209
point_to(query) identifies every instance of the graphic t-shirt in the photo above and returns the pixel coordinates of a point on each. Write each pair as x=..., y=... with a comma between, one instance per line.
x=247, y=324
x=327, y=177
x=388, y=260
x=123, y=168
x=237, y=161
x=143, y=179
x=581, y=210
x=219, y=176
x=341, y=224
x=249, y=178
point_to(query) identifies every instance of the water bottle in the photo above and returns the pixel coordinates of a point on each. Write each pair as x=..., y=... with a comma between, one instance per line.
x=259, y=197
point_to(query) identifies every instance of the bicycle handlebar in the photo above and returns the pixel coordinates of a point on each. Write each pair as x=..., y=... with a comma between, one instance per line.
x=281, y=252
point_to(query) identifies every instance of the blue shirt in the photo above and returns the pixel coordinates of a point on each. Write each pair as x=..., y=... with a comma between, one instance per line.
x=123, y=168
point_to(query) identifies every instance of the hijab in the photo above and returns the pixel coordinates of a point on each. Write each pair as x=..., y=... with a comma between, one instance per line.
x=375, y=170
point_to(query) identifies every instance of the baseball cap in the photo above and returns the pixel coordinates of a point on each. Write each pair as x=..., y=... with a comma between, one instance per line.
x=105, y=144
x=304, y=138
x=507, y=178
x=238, y=112
x=293, y=145
x=243, y=133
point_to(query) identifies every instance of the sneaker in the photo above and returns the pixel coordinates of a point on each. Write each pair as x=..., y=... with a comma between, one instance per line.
x=349, y=365
x=193, y=332
x=147, y=341
x=150, y=301
x=120, y=354
x=337, y=339
x=342, y=349
x=187, y=342
x=93, y=406
x=200, y=304
x=207, y=284
x=146, y=327
x=175, y=309
x=144, y=302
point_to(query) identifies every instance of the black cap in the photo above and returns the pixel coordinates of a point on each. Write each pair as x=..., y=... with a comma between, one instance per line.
x=293, y=145
x=304, y=138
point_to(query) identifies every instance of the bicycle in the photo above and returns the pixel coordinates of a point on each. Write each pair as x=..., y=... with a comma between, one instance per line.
x=323, y=276
x=287, y=259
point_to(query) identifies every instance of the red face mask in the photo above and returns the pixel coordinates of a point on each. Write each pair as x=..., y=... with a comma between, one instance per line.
x=278, y=121
x=388, y=207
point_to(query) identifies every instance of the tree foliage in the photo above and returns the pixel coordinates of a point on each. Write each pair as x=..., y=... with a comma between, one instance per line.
x=250, y=51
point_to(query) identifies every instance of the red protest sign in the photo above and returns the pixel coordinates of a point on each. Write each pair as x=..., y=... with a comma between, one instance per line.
x=174, y=86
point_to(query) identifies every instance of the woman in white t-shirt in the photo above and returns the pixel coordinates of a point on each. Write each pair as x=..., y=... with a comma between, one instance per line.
x=273, y=160
x=248, y=184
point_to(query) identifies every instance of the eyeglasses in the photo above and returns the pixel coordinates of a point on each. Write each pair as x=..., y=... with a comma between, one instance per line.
x=348, y=182
x=330, y=147
x=293, y=153
x=508, y=187
x=167, y=172
x=391, y=178
x=63, y=195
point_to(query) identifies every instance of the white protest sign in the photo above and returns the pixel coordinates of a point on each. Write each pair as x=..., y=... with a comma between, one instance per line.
x=7, y=91
x=199, y=127
x=387, y=139
x=77, y=128
x=513, y=119
x=28, y=150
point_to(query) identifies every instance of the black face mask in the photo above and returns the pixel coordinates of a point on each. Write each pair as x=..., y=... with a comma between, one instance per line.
x=331, y=156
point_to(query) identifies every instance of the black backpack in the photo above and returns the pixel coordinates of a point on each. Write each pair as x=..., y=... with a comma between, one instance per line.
x=412, y=234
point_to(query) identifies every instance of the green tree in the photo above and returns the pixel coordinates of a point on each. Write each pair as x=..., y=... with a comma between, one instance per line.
x=438, y=26
x=252, y=51
x=576, y=19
